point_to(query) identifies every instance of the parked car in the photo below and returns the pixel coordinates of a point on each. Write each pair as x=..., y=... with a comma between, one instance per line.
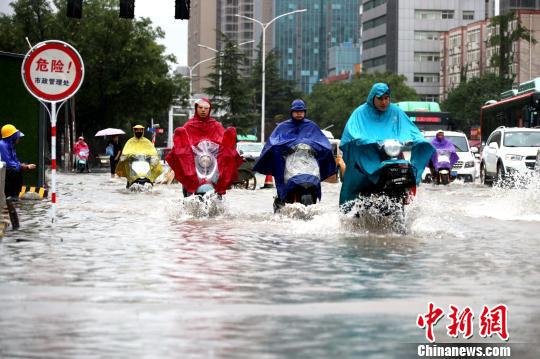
x=103, y=160
x=251, y=150
x=509, y=150
x=465, y=167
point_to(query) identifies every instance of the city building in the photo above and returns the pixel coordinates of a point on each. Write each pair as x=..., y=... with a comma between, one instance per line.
x=343, y=58
x=404, y=37
x=512, y=5
x=304, y=42
x=210, y=18
x=465, y=52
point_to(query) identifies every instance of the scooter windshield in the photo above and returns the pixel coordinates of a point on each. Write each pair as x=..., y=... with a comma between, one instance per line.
x=443, y=156
x=301, y=161
x=206, y=163
x=140, y=165
x=83, y=153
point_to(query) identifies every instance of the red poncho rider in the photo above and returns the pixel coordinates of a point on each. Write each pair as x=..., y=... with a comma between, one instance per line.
x=203, y=127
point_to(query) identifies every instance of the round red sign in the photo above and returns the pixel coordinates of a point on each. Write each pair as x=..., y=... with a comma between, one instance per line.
x=52, y=71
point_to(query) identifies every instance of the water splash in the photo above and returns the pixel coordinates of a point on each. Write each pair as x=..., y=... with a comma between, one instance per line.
x=208, y=205
x=137, y=187
x=516, y=197
x=299, y=211
x=376, y=213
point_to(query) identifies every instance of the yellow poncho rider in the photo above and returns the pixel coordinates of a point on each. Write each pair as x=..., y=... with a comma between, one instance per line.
x=136, y=146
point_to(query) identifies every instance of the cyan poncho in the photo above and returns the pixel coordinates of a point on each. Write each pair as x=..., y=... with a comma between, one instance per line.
x=368, y=126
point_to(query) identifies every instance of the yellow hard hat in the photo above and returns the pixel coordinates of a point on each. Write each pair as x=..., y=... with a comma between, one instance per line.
x=8, y=130
x=138, y=126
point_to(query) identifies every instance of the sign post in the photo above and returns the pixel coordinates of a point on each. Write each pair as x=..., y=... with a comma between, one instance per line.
x=52, y=71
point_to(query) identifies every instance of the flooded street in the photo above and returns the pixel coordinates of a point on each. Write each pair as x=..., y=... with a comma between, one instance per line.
x=134, y=275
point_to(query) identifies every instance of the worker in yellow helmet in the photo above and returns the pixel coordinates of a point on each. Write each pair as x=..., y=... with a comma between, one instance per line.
x=14, y=168
x=139, y=161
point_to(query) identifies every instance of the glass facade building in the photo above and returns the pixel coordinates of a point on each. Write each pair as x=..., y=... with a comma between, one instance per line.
x=302, y=41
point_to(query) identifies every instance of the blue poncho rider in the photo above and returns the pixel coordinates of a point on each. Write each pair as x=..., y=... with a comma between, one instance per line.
x=14, y=168
x=371, y=123
x=284, y=138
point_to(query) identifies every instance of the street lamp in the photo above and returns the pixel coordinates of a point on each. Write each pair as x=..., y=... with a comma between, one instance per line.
x=219, y=53
x=264, y=26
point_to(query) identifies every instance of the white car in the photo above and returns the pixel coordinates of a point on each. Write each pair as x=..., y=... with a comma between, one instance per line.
x=465, y=167
x=509, y=150
x=251, y=150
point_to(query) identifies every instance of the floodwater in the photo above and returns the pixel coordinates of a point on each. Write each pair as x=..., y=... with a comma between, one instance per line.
x=128, y=275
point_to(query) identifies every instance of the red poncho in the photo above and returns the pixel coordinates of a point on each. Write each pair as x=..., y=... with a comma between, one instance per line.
x=182, y=160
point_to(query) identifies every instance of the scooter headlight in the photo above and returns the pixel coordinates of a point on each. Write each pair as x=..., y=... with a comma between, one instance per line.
x=392, y=147
x=140, y=167
x=205, y=161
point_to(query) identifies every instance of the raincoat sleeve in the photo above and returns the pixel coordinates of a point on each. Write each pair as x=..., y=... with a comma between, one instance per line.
x=228, y=161
x=182, y=160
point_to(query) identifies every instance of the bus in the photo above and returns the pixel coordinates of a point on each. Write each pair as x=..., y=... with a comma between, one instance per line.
x=427, y=116
x=517, y=108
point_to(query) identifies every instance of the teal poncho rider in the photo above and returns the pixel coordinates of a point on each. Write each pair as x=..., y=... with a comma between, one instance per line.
x=371, y=123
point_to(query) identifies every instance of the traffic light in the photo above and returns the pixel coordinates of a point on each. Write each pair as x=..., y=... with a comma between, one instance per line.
x=181, y=10
x=127, y=9
x=74, y=8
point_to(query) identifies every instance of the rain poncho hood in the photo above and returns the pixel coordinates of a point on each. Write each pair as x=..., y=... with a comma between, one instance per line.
x=182, y=160
x=8, y=153
x=287, y=135
x=365, y=129
x=441, y=146
x=135, y=147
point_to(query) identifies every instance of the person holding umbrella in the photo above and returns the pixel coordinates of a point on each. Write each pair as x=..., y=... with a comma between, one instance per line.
x=113, y=149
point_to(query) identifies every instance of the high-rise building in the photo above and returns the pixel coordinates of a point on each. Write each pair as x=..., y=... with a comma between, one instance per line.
x=343, y=58
x=404, y=37
x=509, y=5
x=210, y=18
x=302, y=41
x=466, y=52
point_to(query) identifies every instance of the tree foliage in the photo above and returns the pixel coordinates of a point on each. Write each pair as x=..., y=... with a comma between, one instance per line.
x=332, y=104
x=228, y=88
x=465, y=100
x=509, y=30
x=126, y=71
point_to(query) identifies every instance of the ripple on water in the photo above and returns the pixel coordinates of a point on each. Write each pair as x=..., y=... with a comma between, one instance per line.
x=125, y=271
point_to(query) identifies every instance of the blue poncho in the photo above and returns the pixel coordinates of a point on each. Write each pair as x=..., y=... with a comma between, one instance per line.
x=8, y=153
x=287, y=135
x=365, y=128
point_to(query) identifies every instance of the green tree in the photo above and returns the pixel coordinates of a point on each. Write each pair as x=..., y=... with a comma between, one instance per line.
x=464, y=101
x=228, y=88
x=332, y=104
x=127, y=75
x=32, y=19
x=509, y=30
